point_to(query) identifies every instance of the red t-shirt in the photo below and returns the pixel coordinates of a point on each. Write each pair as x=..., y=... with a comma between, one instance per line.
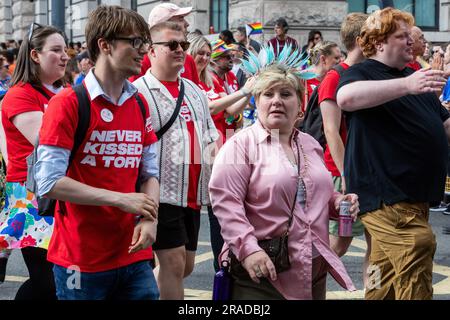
x=414, y=65
x=213, y=93
x=311, y=84
x=97, y=238
x=230, y=84
x=190, y=70
x=275, y=42
x=195, y=166
x=20, y=99
x=327, y=91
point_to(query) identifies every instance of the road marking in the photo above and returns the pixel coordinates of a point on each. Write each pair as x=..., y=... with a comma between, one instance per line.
x=440, y=288
x=192, y=294
x=204, y=257
x=16, y=279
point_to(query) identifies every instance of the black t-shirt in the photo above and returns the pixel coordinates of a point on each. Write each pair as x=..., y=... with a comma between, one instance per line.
x=396, y=151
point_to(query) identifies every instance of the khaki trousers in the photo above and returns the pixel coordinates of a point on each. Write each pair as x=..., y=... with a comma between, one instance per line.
x=403, y=247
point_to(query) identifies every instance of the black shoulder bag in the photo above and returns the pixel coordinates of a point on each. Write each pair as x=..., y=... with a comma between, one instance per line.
x=172, y=119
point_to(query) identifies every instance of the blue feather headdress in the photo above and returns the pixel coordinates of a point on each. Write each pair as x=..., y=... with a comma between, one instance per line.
x=288, y=59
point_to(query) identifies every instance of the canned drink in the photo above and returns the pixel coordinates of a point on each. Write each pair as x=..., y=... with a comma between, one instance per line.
x=345, y=219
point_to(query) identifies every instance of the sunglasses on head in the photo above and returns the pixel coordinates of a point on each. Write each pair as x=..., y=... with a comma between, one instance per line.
x=33, y=27
x=173, y=44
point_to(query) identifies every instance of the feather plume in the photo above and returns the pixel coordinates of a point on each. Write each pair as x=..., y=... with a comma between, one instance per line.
x=288, y=59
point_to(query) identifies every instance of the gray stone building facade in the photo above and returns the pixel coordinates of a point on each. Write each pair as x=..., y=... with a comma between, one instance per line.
x=302, y=15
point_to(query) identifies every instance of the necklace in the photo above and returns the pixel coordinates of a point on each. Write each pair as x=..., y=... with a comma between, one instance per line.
x=301, y=188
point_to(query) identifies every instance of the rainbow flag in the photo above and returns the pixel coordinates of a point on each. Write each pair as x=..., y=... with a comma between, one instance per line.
x=254, y=28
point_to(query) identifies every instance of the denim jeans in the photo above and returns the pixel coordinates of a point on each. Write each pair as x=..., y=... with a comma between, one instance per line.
x=133, y=282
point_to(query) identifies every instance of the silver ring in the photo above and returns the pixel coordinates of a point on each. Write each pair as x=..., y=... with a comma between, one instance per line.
x=259, y=273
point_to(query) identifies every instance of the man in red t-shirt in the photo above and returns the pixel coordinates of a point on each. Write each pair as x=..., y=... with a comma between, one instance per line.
x=334, y=124
x=98, y=233
x=182, y=151
x=170, y=12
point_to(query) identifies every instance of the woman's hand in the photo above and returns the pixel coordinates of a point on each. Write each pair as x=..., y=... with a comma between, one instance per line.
x=259, y=265
x=353, y=198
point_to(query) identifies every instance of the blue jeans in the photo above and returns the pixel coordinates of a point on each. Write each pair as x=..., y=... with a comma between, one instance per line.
x=133, y=282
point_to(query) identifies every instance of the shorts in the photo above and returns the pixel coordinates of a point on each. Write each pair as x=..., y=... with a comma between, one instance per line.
x=177, y=226
x=357, y=227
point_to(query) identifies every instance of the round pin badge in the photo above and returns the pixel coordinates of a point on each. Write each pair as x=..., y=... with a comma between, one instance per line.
x=107, y=115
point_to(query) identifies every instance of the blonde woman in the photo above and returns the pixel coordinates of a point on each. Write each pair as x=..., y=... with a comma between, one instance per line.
x=324, y=56
x=270, y=179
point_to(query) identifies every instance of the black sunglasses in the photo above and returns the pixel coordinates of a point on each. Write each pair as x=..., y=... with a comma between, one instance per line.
x=136, y=42
x=33, y=27
x=173, y=44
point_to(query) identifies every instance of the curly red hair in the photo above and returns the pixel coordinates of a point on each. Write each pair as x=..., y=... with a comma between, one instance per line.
x=379, y=26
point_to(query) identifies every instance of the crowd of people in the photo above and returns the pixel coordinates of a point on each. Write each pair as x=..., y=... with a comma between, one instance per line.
x=143, y=124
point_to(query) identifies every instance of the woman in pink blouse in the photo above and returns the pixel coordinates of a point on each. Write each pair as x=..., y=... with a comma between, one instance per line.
x=262, y=176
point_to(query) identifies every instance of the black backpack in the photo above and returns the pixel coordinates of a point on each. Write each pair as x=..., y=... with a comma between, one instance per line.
x=46, y=206
x=313, y=123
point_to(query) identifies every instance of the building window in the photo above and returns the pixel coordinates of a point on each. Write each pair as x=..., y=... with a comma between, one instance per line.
x=134, y=5
x=426, y=12
x=219, y=15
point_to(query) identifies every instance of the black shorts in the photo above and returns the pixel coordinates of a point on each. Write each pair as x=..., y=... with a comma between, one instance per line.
x=177, y=226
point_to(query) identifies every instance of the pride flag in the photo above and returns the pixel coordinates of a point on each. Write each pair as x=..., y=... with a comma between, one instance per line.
x=253, y=28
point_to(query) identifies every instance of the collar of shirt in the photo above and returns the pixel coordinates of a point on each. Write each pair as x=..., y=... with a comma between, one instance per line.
x=95, y=90
x=262, y=134
x=154, y=84
x=53, y=89
x=386, y=68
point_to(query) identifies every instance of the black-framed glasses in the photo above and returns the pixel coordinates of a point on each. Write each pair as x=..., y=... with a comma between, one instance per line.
x=136, y=42
x=173, y=44
x=33, y=27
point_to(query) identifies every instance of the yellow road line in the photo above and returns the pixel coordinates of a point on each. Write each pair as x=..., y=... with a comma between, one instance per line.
x=16, y=278
x=204, y=257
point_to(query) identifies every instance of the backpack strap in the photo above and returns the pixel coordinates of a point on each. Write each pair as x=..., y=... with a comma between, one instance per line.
x=141, y=106
x=84, y=118
x=339, y=69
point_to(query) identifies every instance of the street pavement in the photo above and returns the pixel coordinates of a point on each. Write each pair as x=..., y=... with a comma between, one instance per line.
x=199, y=284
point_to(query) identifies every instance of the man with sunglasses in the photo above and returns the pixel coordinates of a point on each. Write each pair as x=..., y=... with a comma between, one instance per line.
x=171, y=12
x=179, y=108
x=100, y=244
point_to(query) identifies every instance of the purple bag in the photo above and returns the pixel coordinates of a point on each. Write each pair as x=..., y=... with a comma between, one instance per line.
x=222, y=283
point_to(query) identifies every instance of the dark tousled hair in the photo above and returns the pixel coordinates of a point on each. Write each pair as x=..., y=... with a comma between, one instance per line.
x=107, y=22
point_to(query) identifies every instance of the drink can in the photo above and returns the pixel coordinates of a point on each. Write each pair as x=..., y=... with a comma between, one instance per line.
x=344, y=208
x=345, y=219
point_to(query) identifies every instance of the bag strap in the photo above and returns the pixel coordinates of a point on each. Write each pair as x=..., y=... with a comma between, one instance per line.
x=84, y=118
x=339, y=69
x=295, y=197
x=141, y=106
x=167, y=126
x=41, y=91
